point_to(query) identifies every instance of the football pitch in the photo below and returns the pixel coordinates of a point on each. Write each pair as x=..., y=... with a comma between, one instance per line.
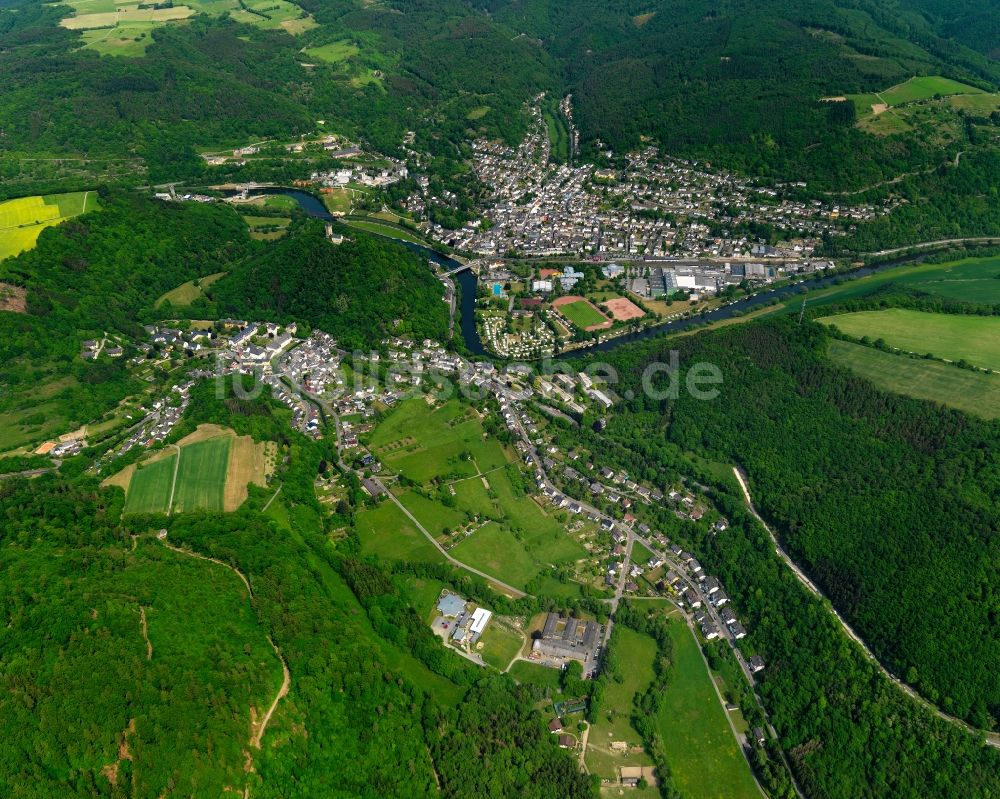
x=582, y=314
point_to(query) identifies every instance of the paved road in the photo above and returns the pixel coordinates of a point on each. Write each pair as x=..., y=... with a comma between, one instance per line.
x=991, y=738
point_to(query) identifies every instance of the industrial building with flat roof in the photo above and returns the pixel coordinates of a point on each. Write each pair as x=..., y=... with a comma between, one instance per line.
x=568, y=639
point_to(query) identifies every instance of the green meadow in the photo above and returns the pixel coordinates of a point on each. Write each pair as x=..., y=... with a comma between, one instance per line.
x=201, y=475
x=976, y=393
x=149, y=489
x=704, y=756
x=954, y=337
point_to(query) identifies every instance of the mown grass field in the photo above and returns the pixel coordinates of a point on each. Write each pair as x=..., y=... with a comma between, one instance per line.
x=22, y=220
x=582, y=314
x=500, y=644
x=954, y=337
x=432, y=514
x=637, y=653
x=201, y=475
x=976, y=393
x=704, y=757
x=149, y=490
x=337, y=201
x=386, y=533
x=494, y=550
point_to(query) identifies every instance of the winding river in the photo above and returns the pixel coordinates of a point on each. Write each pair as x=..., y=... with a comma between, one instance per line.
x=466, y=282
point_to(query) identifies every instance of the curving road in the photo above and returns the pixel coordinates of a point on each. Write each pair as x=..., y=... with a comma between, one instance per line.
x=991, y=738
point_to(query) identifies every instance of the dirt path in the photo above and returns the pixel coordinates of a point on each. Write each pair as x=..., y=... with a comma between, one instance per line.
x=173, y=482
x=991, y=738
x=145, y=632
x=286, y=683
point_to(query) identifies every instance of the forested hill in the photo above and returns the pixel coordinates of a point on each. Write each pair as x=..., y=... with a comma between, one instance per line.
x=890, y=504
x=360, y=291
x=738, y=83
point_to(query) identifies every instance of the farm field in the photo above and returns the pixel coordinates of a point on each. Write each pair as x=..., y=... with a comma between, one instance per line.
x=975, y=339
x=386, y=533
x=433, y=515
x=22, y=220
x=213, y=473
x=188, y=292
x=125, y=29
x=149, y=489
x=968, y=279
x=581, y=313
x=924, y=88
x=424, y=443
x=638, y=651
x=975, y=393
x=201, y=475
x=704, y=757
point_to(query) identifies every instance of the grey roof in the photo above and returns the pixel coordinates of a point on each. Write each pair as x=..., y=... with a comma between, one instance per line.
x=451, y=604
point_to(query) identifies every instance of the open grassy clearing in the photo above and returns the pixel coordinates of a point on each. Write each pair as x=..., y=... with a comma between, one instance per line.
x=432, y=514
x=976, y=393
x=500, y=644
x=637, y=653
x=188, y=292
x=533, y=674
x=22, y=220
x=494, y=550
x=389, y=231
x=924, y=88
x=386, y=533
x=478, y=113
x=333, y=53
x=704, y=757
x=954, y=337
x=424, y=443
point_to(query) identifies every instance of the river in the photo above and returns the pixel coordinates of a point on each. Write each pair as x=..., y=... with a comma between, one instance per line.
x=466, y=281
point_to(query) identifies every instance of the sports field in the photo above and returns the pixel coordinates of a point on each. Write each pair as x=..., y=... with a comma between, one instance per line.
x=975, y=339
x=622, y=309
x=975, y=393
x=581, y=313
x=704, y=756
x=424, y=442
x=615, y=720
x=22, y=220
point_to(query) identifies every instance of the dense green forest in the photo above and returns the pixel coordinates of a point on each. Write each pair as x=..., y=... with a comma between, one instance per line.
x=96, y=274
x=888, y=503
x=737, y=84
x=359, y=292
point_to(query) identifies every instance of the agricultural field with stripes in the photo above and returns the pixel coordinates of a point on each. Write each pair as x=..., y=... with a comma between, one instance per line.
x=22, y=220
